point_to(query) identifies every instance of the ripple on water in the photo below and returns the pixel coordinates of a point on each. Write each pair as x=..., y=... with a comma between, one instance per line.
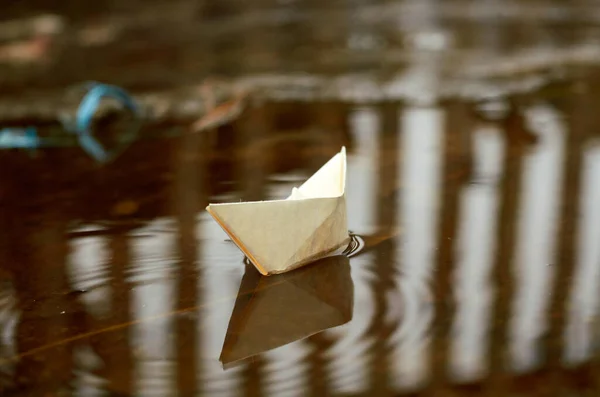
x=8, y=321
x=355, y=247
x=341, y=356
x=417, y=310
x=396, y=309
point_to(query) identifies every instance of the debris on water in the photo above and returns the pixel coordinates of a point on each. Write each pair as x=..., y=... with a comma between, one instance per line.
x=19, y=138
x=104, y=120
x=220, y=114
x=80, y=126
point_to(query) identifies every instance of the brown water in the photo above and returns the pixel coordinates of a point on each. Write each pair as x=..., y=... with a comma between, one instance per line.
x=475, y=265
x=475, y=269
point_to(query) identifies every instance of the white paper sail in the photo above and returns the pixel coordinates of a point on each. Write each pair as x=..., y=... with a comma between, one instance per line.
x=281, y=235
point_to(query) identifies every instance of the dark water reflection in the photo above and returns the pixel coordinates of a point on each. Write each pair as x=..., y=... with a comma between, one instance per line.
x=475, y=271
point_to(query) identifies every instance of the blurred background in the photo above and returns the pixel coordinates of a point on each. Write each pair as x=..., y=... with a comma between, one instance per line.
x=472, y=130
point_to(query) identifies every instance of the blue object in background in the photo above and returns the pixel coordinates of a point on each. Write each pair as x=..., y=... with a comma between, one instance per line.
x=19, y=138
x=85, y=113
x=28, y=138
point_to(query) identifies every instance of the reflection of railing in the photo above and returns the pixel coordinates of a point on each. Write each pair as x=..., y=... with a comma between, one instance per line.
x=494, y=233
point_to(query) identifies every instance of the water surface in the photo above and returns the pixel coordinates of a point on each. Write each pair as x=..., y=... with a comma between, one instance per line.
x=475, y=264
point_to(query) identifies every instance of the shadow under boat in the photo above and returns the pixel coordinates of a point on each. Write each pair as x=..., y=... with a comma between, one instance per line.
x=274, y=311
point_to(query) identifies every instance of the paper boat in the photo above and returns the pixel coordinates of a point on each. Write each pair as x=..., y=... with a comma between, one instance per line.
x=280, y=235
x=271, y=312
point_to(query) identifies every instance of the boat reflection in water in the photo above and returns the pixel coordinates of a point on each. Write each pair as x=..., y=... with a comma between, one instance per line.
x=273, y=311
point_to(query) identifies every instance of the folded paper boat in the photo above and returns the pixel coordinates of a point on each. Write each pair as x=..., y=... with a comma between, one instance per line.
x=281, y=235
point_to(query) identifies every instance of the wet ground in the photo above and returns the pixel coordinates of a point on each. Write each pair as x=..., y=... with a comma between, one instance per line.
x=474, y=268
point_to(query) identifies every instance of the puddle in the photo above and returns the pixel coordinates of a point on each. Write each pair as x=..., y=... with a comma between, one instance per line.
x=156, y=300
x=472, y=195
